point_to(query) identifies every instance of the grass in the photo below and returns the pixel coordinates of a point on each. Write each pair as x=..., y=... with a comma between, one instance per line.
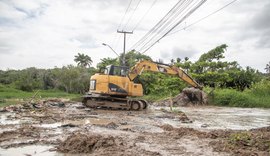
x=11, y=96
x=234, y=98
x=257, y=96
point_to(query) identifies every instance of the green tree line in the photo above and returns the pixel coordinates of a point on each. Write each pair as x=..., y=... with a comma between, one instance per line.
x=210, y=70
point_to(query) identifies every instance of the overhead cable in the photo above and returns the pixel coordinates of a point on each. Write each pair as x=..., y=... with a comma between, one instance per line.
x=130, y=17
x=187, y=15
x=201, y=19
x=168, y=24
x=152, y=30
x=139, y=22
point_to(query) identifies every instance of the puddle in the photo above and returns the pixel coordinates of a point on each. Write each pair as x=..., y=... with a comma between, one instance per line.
x=93, y=121
x=227, y=117
x=53, y=125
x=10, y=119
x=40, y=150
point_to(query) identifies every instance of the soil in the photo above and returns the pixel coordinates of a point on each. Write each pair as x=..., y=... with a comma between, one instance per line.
x=188, y=97
x=69, y=127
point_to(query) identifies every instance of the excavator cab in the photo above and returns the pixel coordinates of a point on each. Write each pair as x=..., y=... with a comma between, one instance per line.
x=116, y=70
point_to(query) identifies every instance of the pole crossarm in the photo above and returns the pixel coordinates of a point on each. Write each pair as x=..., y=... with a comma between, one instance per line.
x=124, y=50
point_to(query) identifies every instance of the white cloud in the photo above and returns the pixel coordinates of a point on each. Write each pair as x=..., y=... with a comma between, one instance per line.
x=49, y=33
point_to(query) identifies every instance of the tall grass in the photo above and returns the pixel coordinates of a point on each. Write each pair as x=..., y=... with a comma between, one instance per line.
x=9, y=95
x=257, y=96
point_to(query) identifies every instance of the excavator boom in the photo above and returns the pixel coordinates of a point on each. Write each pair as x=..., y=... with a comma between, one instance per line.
x=146, y=65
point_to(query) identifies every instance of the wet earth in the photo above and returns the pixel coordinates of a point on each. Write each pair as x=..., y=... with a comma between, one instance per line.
x=58, y=127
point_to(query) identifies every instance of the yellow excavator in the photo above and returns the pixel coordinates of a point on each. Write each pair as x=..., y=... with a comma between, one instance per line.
x=114, y=87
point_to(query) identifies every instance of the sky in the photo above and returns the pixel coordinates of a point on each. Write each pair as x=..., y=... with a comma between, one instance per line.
x=49, y=33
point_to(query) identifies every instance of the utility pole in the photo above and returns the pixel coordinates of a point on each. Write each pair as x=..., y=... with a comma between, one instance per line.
x=124, y=32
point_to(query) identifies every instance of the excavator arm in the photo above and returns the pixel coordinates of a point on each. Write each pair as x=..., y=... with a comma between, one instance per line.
x=146, y=65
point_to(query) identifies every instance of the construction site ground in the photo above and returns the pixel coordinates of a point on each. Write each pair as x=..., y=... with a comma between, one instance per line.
x=58, y=127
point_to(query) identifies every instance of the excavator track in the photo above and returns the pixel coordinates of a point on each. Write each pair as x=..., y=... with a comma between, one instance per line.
x=107, y=102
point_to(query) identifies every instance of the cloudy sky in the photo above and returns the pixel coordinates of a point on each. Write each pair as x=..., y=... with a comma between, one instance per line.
x=49, y=33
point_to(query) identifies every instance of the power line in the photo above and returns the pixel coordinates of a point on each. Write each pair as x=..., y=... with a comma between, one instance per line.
x=152, y=30
x=166, y=21
x=201, y=19
x=116, y=41
x=180, y=11
x=132, y=14
x=168, y=24
x=139, y=22
x=124, y=14
x=188, y=14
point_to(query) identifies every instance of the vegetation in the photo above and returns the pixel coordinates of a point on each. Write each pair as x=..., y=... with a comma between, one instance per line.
x=9, y=96
x=232, y=84
x=83, y=60
x=257, y=96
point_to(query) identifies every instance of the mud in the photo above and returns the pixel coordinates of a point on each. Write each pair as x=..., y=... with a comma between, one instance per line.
x=86, y=143
x=60, y=127
x=188, y=97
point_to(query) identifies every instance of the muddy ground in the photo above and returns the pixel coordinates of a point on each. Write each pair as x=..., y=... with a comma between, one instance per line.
x=58, y=127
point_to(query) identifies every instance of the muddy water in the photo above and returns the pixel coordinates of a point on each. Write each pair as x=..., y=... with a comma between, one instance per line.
x=57, y=123
x=226, y=117
x=39, y=150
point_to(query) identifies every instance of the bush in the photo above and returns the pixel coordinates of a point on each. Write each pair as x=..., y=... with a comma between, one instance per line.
x=231, y=97
x=257, y=96
x=261, y=88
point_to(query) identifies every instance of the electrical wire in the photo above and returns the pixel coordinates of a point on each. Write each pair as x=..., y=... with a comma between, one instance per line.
x=153, y=29
x=173, y=18
x=116, y=40
x=124, y=14
x=201, y=19
x=188, y=14
x=139, y=22
x=169, y=18
x=168, y=24
x=130, y=17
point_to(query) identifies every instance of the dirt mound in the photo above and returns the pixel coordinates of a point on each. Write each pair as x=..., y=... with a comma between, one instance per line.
x=167, y=127
x=189, y=96
x=83, y=143
x=181, y=116
x=253, y=142
x=94, y=144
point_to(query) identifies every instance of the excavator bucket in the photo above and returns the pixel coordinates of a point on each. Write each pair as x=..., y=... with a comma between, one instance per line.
x=195, y=95
x=192, y=95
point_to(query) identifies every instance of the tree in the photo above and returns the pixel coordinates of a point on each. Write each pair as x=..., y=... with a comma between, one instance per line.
x=210, y=70
x=72, y=79
x=216, y=53
x=83, y=60
x=267, y=68
x=178, y=60
x=132, y=57
x=172, y=61
x=107, y=61
x=29, y=79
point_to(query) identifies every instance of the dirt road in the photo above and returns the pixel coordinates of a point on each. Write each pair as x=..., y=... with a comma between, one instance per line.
x=58, y=127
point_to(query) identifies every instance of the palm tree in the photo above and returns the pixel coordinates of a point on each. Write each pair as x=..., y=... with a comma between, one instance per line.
x=83, y=60
x=267, y=68
x=172, y=61
x=178, y=60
